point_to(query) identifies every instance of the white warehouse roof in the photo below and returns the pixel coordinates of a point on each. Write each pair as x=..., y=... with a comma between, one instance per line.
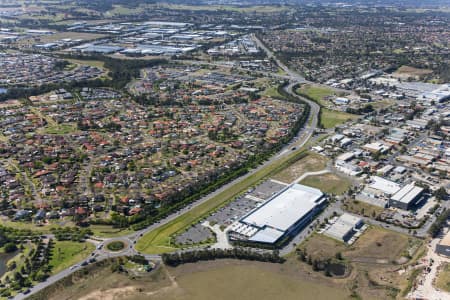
x=408, y=193
x=343, y=226
x=285, y=208
x=384, y=185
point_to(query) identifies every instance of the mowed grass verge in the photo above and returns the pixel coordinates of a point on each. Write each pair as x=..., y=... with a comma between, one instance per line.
x=107, y=231
x=158, y=240
x=66, y=254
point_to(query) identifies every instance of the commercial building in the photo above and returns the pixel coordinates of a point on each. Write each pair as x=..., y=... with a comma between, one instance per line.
x=386, y=186
x=344, y=228
x=283, y=214
x=407, y=197
x=443, y=248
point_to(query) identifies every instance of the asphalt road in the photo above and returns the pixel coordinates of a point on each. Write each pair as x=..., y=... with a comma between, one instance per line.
x=303, y=136
x=101, y=253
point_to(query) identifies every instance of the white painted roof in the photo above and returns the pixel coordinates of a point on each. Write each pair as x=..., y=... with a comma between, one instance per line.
x=384, y=185
x=267, y=235
x=407, y=193
x=285, y=209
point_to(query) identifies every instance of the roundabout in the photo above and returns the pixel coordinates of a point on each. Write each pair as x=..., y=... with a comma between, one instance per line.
x=115, y=246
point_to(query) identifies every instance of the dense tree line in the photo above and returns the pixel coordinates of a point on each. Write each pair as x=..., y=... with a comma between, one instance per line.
x=71, y=233
x=437, y=225
x=177, y=258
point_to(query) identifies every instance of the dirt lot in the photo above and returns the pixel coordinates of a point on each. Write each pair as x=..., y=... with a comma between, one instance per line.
x=312, y=162
x=372, y=259
x=405, y=72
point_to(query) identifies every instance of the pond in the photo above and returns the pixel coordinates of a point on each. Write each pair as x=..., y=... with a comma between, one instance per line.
x=337, y=269
x=4, y=257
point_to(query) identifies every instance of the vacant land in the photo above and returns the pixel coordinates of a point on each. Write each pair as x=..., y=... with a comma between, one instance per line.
x=376, y=245
x=362, y=208
x=328, y=183
x=380, y=245
x=224, y=279
x=328, y=118
x=318, y=93
x=272, y=92
x=373, y=259
x=311, y=163
x=331, y=118
x=66, y=254
x=443, y=278
x=252, y=282
x=98, y=282
x=406, y=72
x=59, y=129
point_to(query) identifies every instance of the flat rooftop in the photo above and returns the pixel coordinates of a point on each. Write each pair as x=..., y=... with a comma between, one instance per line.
x=285, y=208
x=384, y=185
x=408, y=193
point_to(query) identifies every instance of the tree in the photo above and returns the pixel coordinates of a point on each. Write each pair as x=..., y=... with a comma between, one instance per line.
x=10, y=247
x=441, y=193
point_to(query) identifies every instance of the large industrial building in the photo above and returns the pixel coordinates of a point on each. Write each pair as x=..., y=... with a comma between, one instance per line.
x=407, y=197
x=443, y=248
x=282, y=215
x=344, y=228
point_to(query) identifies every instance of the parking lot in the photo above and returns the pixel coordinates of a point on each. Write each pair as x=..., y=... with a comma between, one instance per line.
x=230, y=213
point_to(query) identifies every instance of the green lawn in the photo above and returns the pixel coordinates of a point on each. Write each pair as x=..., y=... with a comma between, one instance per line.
x=443, y=278
x=106, y=231
x=331, y=118
x=66, y=254
x=360, y=207
x=60, y=129
x=272, y=92
x=317, y=93
x=158, y=240
x=30, y=226
x=328, y=183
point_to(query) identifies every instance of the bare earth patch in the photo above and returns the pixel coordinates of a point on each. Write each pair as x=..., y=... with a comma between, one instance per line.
x=405, y=72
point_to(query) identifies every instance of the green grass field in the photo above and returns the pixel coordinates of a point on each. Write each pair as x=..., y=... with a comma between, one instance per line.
x=272, y=92
x=359, y=207
x=59, y=129
x=443, y=278
x=311, y=163
x=106, y=231
x=317, y=93
x=328, y=183
x=332, y=118
x=66, y=254
x=158, y=240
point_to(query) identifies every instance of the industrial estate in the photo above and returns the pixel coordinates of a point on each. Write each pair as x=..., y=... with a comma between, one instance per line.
x=254, y=150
